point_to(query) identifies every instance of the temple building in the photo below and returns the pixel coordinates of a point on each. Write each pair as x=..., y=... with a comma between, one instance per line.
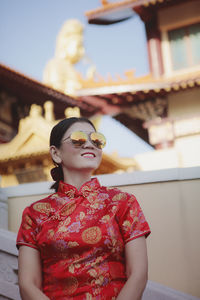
x=162, y=107
x=26, y=157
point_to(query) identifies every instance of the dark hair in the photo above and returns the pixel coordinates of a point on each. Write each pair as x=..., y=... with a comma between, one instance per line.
x=56, y=136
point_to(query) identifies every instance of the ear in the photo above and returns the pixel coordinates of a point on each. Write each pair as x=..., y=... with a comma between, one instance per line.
x=55, y=154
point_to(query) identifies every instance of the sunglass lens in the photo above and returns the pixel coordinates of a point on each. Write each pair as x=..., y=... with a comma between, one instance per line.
x=98, y=139
x=78, y=138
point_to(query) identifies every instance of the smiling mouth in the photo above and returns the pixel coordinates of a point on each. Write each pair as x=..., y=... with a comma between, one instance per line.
x=88, y=154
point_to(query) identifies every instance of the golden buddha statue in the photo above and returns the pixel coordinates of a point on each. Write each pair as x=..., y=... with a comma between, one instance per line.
x=59, y=72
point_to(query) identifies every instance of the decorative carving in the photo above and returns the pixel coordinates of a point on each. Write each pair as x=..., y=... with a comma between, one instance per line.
x=147, y=110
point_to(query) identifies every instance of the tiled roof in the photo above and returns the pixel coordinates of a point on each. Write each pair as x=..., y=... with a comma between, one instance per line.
x=121, y=93
x=31, y=91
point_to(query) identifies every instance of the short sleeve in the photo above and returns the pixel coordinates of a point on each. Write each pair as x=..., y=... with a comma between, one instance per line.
x=27, y=231
x=131, y=219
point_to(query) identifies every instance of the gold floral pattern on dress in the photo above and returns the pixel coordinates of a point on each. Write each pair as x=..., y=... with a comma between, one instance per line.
x=28, y=222
x=43, y=207
x=126, y=225
x=72, y=244
x=68, y=209
x=50, y=233
x=93, y=273
x=62, y=227
x=70, y=193
x=82, y=215
x=86, y=190
x=92, y=235
x=105, y=218
x=119, y=196
x=89, y=296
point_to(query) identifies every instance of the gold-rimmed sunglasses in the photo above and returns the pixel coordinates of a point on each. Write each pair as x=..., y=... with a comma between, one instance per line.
x=79, y=138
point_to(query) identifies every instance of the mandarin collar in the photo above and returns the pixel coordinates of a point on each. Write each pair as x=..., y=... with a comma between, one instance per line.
x=72, y=192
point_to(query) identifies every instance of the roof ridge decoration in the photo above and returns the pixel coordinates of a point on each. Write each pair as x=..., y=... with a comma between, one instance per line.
x=134, y=84
x=127, y=78
x=34, y=125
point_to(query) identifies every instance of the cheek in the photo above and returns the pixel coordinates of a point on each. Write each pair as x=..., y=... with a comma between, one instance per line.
x=99, y=155
x=69, y=153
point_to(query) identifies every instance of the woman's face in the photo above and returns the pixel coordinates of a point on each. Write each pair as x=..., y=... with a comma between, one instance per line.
x=86, y=157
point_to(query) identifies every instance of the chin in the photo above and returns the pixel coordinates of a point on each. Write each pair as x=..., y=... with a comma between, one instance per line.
x=92, y=166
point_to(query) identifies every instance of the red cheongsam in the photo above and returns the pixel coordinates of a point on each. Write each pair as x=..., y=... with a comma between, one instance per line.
x=81, y=237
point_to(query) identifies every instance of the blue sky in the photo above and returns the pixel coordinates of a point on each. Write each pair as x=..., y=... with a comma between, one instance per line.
x=28, y=31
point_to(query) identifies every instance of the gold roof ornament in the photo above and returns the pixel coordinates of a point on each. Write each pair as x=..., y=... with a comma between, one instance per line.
x=48, y=111
x=32, y=137
x=72, y=112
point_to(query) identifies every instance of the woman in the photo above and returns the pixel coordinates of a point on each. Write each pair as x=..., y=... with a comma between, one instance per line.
x=85, y=241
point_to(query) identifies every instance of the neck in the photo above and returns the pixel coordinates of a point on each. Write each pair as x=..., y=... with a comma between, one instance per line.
x=76, y=177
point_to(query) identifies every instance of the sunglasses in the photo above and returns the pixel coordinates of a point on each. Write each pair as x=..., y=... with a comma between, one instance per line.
x=79, y=138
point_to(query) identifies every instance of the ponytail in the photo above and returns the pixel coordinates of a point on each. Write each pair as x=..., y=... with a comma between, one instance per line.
x=57, y=175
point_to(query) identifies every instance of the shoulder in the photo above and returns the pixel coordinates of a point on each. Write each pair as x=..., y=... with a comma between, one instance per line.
x=41, y=207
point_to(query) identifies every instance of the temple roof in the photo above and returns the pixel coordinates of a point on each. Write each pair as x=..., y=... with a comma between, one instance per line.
x=29, y=151
x=31, y=91
x=133, y=101
x=118, y=93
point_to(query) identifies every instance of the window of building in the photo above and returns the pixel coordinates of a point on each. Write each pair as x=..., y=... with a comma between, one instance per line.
x=185, y=46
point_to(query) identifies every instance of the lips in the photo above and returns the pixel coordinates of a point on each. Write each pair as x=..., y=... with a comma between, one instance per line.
x=88, y=154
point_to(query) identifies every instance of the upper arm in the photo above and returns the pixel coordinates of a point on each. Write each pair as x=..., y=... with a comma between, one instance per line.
x=29, y=266
x=136, y=257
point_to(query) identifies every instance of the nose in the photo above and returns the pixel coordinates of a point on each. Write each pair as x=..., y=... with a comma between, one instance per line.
x=88, y=144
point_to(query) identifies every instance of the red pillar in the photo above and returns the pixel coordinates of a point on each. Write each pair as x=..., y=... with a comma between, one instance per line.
x=154, y=46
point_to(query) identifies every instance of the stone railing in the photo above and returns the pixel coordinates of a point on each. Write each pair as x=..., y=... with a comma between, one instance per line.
x=156, y=291
x=9, y=289
x=3, y=211
x=8, y=266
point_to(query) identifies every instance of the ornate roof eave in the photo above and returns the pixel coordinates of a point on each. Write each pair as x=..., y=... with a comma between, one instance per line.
x=32, y=91
x=113, y=96
x=111, y=13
